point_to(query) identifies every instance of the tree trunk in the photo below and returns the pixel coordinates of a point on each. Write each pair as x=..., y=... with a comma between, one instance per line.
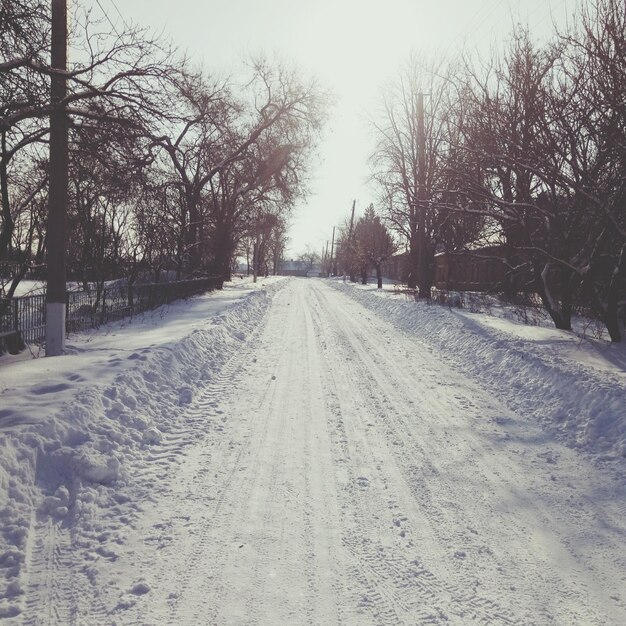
x=561, y=315
x=192, y=244
x=223, y=248
x=613, y=326
x=413, y=262
x=8, y=225
x=379, y=275
x=609, y=312
x=612, y=321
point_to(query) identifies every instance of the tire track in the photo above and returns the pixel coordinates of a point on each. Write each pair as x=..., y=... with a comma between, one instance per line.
x=387, y=370
x=376, y=402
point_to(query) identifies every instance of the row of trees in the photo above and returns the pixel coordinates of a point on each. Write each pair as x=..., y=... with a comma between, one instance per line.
x=526, y=150
x=171, y=168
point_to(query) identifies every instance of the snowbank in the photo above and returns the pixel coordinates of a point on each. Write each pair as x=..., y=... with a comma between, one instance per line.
x=575, y=387
x=69, y=426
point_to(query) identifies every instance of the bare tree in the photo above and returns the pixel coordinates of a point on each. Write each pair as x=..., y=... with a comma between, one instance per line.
x=396, y=162
x=545, y=145
x=115, y=78
x=593, y=126
x=309, y=258
x=235, y=145
x=507, y=113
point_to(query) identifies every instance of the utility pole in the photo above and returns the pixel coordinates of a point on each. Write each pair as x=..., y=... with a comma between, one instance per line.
x=326, y=259
x=422, y=268
x=57, y=204
x=332, y=249
x=351, y=219
x=348, y=253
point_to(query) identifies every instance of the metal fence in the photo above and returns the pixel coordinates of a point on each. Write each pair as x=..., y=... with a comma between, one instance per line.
x=23, y=320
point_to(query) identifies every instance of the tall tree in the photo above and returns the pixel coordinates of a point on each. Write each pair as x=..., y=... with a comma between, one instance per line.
x=416, y=203
x=374, y=244
x=116, y=77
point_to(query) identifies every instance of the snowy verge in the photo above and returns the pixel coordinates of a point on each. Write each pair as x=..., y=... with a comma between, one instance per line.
x=72, y=426
x=580, y=394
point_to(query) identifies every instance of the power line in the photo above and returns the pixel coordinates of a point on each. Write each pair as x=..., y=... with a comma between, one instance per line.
x=551, y=12
x=474, y=20
x=106, y=15
x=118, y=12
x=485, y=14
x=482, y=14
x=490, y=14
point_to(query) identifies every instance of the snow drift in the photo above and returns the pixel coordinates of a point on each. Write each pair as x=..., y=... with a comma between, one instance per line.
x=585, y=406
x=79, y=436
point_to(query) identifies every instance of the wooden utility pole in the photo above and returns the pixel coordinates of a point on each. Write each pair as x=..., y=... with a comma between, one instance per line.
x=57, y=203
x=350, y=250
x=326, y=259
x=332, y=249
x=423, y=281
x=351, y=220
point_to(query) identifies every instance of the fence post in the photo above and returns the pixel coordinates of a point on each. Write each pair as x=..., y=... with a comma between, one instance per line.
x=16, y=316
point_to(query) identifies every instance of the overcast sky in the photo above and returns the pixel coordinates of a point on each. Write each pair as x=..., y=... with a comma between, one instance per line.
x=351, y=46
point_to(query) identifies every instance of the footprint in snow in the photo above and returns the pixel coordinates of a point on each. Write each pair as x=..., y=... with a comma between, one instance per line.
x=549, y=457
x=46, y=389
x=185, y=396
x=140, y=589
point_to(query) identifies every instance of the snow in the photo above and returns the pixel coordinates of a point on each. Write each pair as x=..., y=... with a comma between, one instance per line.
x=70, y=424
x=574, y=385
x=30, y=288
x=308, y=451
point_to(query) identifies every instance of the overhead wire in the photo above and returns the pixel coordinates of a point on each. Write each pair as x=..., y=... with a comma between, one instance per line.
x=108, y=19
x=484, y=15
x=106, y=15
x=553, y=10
x=118, y=12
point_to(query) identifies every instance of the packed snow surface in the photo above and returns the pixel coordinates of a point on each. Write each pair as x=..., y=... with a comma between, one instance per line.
x=307, y=452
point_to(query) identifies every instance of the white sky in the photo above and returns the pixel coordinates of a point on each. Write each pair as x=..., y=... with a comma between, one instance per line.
x=351, y=46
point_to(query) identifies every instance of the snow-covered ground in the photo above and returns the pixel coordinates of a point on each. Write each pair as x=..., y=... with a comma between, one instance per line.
x=30, y=288
x=38, y=287
x=573, y=384
x=313, y=452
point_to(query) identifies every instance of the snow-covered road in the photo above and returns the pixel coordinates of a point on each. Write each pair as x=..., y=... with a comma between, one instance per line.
x=336, y=471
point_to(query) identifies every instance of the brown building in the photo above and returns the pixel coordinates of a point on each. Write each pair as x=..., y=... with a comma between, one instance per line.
x=483, y=269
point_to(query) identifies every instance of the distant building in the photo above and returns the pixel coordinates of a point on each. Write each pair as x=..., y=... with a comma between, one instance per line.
x=315, y=271
x=482, y=269
x=298, y=268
